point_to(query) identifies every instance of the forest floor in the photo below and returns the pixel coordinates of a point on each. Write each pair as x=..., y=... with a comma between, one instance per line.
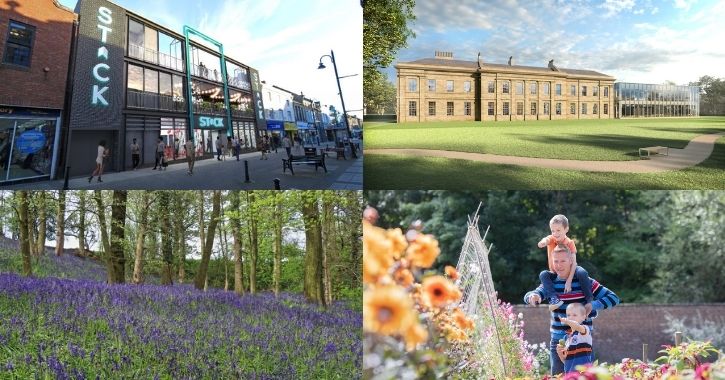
x=83, y=328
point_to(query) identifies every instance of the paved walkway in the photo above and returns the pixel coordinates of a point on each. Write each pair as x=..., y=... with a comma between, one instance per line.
x=696, y=151
x=210, y=174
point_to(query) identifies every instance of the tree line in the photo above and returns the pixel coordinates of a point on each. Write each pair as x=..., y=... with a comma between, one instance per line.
x=647, y=246
x=171, y=232
x=712, y=95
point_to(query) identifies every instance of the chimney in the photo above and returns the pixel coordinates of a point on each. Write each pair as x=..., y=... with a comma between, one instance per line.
x=444, y=55
x=511, y=60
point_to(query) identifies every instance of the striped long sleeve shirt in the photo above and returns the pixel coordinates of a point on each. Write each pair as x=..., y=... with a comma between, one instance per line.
x=603, y=299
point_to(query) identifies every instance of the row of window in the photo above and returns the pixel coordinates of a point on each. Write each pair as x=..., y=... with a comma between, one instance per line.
x=505, y=87
x=413, y=108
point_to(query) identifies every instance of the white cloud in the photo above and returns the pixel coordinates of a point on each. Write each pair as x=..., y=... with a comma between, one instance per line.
x=655, y=10
x=684, y=4
x=613, y=7
x=639, y=11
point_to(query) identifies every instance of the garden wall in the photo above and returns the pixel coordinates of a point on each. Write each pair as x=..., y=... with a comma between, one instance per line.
x=621, y=331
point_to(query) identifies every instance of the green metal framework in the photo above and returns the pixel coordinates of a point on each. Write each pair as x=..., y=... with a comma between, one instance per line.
x=187, y=44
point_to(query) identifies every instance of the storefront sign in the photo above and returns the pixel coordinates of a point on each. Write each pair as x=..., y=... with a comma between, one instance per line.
x=275, y=125
x=100, y=70
x=209, y=122
x=257, y=93
x=30, y=142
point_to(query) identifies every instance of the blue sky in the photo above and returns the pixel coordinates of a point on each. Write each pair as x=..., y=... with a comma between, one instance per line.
x=283, y=39
x=647, y=41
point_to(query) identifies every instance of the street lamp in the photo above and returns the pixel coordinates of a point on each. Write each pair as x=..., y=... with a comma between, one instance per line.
x=337, y=77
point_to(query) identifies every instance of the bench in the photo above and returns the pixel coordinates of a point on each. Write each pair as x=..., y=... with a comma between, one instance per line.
x=339, y=151
x=644, y=153
x=310, y=158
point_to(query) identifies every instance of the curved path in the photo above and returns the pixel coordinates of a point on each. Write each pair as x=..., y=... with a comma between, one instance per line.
x=696, y=151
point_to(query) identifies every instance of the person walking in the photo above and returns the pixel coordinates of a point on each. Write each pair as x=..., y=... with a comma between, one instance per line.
x=237, y=146
x=102, y=153
x=275, y=142
x=219, y=145
x=160, y=148
x=190, y=156
x=135, y=154
x=287, y=144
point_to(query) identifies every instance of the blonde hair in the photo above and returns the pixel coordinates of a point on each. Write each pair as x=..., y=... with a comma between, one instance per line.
x=561, y=248
x=560, y=219
x=577, y=305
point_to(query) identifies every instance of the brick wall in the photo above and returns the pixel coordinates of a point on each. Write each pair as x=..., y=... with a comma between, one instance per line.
x=35, y=87
x=620, y=332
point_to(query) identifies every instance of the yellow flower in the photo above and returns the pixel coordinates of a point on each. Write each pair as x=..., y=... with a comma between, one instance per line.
x=423, y=251
x=462, y=319
x=451, y=272
x=398, y=243
x=387, y=310
x=403, y=277
x=376, y=253
x=439, y=292
x=414, y=335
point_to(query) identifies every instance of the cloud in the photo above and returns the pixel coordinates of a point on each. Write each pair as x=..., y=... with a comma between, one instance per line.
x=613, y=7
x=684, y=4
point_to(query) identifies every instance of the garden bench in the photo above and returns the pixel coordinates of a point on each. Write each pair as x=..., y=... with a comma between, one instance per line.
x=310, y=158
x=646, y=152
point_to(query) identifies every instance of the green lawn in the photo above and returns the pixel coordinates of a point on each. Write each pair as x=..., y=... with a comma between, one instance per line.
x=603, y=140
x=608, y=140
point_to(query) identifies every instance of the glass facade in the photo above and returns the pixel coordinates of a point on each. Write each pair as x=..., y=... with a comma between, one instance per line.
x=656, y=100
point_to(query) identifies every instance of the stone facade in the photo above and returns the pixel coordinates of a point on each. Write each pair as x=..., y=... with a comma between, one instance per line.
x=444, y=89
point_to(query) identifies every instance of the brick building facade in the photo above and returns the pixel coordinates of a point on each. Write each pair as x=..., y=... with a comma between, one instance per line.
x=35, y=44
x=444, y=89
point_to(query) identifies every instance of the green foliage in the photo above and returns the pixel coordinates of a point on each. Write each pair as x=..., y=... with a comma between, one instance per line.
x=380, y=95
x=712, y=95
x=385, y=30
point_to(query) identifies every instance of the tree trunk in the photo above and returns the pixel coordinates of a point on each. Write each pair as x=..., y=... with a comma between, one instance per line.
x=202, y=237
x=236, y=232
x=24, y=236
x=313, y=285
x=222, y=246
x=140, y=238
x=200, y=279
x=117, y=258
x=60, y=224
x=253, y=241
x=277, y=244
x=166, y=239
x=42, y=220
x=82, y=223
x=355, y=216
x=106, y=244
x=179, y=233
x=328, y=253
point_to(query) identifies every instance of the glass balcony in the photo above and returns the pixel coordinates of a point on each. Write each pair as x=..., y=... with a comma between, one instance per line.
x=205, y=107
x=147, y=100
x=206, y=73
x=155, y=57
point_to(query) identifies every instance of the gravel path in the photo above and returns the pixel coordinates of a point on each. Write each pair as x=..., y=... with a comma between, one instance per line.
x=696, y=151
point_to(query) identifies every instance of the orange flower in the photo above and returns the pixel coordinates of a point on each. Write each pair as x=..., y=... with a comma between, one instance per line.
x=398, y=243
x=403, y=277
x=414, y=335
x=462, y=319
x=454, y=334
x=439, y=292
x=376, y=253
x=387, y=310
x=423, y=251
x=451, y=272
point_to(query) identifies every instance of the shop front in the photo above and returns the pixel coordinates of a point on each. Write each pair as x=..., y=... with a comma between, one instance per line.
x=28, y=143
